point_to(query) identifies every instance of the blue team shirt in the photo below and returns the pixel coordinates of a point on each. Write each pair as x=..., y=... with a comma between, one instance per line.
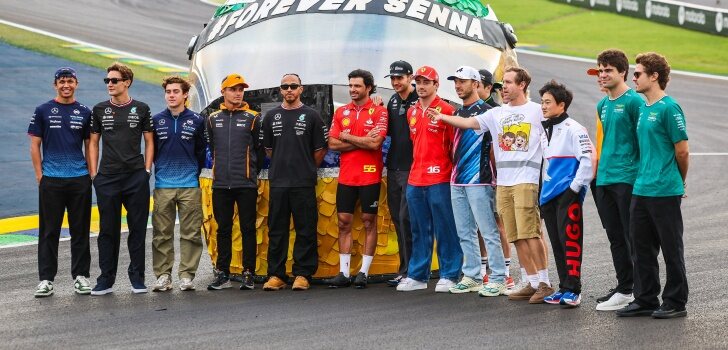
x=63, y=129
x=471, y=151
x=179, y=149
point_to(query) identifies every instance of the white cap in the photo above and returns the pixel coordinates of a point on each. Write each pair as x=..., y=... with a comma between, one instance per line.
x=465, y=72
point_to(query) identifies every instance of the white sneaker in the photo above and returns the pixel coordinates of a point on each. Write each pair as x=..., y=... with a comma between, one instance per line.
x=444, y=285
x=466, y=285
x=616, y=302
x=163, y=284
x=408, y=285
x=82, y=286
x=44, y=289
x=186, y=284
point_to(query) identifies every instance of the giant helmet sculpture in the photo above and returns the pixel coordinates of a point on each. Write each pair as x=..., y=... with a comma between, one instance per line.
x=322, y=41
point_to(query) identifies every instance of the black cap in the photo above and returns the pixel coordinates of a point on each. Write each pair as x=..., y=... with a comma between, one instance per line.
x=487, y=78
x=65, y=72
x=399, y=68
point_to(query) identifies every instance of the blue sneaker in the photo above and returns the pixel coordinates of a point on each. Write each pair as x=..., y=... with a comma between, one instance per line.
x=102, y=288
x=571, y=299
x=138, y=287
x=554, y=299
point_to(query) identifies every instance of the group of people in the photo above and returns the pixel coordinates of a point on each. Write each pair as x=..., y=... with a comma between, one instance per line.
x=473, y=179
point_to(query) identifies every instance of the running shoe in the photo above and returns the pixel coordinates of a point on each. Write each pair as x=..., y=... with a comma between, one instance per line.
x=44, y=289
x=554, y=299
x=82, y=286
x=360, y=281
x=339, y=281
x=163, y=284
x=465, y=285
x=248, y=283
x=185, y=284
x=571, y=299
x=493, y=289
x=221, y=281
x=509, y=283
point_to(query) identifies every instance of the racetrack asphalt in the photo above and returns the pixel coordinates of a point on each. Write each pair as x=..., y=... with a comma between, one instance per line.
x=377, y=317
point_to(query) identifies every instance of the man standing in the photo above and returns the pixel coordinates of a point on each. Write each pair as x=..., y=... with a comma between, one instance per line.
x=518, y=177
x=357, y=131
x=617, y=170
x=568, y=169
x=233, y=134
x=428, y=190
x=179, y=155
x=399, y=160
x=122, y=177
x=294, y=137
x=61, y=126
x=471, y=189
x=655, y=216
x=488, y=87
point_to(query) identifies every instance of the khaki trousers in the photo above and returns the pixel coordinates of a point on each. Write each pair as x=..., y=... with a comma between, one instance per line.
x=167, y=203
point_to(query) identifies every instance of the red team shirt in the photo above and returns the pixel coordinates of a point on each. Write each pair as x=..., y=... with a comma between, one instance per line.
x=432, y=144
x=360, y=167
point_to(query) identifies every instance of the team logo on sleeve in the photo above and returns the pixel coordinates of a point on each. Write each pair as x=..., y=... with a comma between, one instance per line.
x=345, y=122
x=413, y=120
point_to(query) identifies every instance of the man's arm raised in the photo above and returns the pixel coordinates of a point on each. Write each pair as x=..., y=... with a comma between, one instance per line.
x=458, y=122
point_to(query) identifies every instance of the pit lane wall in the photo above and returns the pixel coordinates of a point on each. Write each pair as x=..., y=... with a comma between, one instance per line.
x=679, y=14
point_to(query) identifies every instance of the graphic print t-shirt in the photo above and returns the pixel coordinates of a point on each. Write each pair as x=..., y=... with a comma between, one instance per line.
x=516, y=132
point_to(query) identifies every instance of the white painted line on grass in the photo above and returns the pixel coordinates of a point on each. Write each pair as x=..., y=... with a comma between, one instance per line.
x=81, y=42
x=594, y=62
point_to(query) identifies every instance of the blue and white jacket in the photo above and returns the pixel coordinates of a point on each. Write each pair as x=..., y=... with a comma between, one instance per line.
x=179, y=149
x=569, y=158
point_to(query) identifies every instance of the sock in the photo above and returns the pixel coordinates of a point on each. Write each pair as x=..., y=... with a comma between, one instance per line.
x=484, y=266
x=524, y=279
x=344, y=262
x=543, y=276
x=533, y=280
x=366, y=262
x=508, y=267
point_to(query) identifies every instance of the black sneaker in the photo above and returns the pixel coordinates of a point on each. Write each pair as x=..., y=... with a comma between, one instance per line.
x=248, y=283
x=668, y=311
x=339, y=281
x=607, y=297
x=395, y=281
x=360, y=281
x=635, y=310
x=221, y=281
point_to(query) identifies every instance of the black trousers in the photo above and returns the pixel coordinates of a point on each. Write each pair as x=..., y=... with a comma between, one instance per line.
x=55, y=195
x=656, y=223
x=565, y=224
x=398, y=209
x=614, y=201
x=223, y=208
x=301, y=203
x=132, y=191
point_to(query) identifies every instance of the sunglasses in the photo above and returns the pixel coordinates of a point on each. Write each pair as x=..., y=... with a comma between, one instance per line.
x=637, y=74
x=113, y=80
x=290, y=86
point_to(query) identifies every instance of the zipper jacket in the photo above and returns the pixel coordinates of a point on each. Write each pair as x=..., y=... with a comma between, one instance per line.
x=233, y=137
x=179, y=149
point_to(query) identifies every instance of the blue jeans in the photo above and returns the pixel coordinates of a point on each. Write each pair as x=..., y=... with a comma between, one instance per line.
x=473, y=209
x=431, y=217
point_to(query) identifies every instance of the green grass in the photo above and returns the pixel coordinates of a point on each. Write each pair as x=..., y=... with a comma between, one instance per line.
x=570, y=30
x=54, y=47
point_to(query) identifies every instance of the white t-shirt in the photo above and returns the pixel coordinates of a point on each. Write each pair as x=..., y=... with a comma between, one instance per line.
x=516, y=133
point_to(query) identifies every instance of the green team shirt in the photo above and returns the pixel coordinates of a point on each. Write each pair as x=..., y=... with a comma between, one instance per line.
x=660, y=126
x=619, y=157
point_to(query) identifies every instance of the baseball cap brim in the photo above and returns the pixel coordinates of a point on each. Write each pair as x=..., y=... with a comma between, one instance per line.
x=592, y=71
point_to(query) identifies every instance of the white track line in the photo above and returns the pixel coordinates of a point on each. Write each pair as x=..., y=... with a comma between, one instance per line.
x=80, y=42
x=708, y=154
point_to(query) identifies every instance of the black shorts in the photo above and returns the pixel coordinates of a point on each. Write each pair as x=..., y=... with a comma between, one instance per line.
x=346, y=197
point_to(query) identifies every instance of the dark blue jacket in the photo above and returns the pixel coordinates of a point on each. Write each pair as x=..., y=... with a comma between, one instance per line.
x=179, y=149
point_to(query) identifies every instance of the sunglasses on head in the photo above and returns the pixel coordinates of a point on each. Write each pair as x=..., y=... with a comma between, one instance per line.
x=113, y=80
x=290, y=86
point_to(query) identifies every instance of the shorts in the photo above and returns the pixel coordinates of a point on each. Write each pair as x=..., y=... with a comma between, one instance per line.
x=519, y=211
x=347, y=196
